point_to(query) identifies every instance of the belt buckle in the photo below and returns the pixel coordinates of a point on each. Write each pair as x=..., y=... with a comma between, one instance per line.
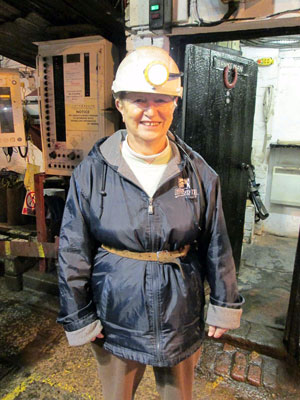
x=162, y=252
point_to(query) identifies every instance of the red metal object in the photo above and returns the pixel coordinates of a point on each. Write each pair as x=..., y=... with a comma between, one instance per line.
x=225, y=77
x=41, y=227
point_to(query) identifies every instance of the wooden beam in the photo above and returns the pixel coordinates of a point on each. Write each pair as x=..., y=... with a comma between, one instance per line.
x=103, y=17
x=82, y=29
x=15, y=248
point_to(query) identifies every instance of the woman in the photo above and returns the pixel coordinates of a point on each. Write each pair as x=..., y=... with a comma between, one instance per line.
x=143, y=227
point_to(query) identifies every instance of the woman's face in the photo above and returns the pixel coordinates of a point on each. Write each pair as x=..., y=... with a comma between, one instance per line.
x=147, y=117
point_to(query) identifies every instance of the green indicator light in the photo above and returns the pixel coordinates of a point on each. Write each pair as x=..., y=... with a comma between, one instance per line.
x=155, y=7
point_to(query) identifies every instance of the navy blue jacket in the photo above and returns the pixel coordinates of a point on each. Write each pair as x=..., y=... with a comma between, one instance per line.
x=150, y=312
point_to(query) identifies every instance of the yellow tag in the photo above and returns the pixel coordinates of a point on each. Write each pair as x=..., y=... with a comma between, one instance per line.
x=265, y=62
x=7, y=248
x=31, y=170
x=41, y=250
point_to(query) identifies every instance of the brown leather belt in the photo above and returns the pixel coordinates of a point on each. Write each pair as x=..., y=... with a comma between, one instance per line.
x=163, y=257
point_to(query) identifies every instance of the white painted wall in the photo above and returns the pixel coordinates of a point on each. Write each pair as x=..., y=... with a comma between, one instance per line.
x=266, y=76
x=287, y=108
x=284, y=125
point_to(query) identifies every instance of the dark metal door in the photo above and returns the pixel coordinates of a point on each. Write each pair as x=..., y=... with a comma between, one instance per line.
x=217, y=122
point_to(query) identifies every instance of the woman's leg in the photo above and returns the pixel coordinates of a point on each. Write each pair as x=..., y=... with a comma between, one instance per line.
x=119, y=377
x=176, y=383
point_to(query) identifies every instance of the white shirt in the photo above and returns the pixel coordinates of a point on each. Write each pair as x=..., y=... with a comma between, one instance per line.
x=147, y=169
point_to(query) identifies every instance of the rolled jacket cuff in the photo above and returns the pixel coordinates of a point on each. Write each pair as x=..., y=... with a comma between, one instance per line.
x=222, y=317
x=237, y=304
x=84, y=335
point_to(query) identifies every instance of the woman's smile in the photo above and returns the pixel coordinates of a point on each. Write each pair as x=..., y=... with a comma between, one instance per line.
x=150, y=123
x=147, y=117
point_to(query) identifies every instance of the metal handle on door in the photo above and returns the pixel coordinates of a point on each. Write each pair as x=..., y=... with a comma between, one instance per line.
x=245, y=166
x=225, y=77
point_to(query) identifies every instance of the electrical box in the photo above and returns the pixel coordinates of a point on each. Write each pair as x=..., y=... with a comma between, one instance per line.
x=160, y=15
x=157, y=15
x=286, y=186
x=12, y=131
x=75, y=99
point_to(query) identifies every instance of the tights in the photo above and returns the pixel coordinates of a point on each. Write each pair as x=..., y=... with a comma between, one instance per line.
x=120, y=378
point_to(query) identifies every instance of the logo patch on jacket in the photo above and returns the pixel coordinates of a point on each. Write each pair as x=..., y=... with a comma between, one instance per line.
x=184, y=189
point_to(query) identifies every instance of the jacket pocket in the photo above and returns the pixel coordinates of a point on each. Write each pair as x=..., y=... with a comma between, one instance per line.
x=182, y=298
x=122, y=295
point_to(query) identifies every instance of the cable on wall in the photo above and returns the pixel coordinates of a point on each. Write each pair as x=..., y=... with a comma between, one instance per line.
x=226, y=17
x=268, y=105
x=233, y=6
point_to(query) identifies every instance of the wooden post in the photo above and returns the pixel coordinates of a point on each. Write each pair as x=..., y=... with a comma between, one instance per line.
x=40, y=214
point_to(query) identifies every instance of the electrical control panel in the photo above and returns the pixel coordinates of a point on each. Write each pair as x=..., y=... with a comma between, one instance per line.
x=76, y=104
x=160, y=15
x=12, y=131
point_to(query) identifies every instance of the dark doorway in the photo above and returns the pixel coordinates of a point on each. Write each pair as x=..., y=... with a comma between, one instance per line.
x=217, y=121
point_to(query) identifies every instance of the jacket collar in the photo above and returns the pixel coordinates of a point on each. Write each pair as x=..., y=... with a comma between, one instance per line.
x=111, y=148
x=111, y=152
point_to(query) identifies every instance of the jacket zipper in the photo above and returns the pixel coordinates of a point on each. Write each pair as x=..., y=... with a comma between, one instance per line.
x=150, y=206
x=156, y=312
x=155, y=287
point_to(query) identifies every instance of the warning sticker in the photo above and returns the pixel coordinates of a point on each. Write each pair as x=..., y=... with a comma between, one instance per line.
x=29, y=203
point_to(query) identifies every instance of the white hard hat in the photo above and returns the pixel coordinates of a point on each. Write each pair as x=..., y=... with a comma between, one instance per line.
x=148, y=69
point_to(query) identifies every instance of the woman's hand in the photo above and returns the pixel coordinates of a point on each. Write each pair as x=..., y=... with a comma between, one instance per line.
x=100, y=336
x=214, y=331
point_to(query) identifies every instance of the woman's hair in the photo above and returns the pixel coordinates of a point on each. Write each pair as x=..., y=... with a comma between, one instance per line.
x=119, y=95
x=122, y=95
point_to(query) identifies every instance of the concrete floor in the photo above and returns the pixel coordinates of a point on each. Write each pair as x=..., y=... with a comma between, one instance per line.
x=265, y=279
x=37, y=363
